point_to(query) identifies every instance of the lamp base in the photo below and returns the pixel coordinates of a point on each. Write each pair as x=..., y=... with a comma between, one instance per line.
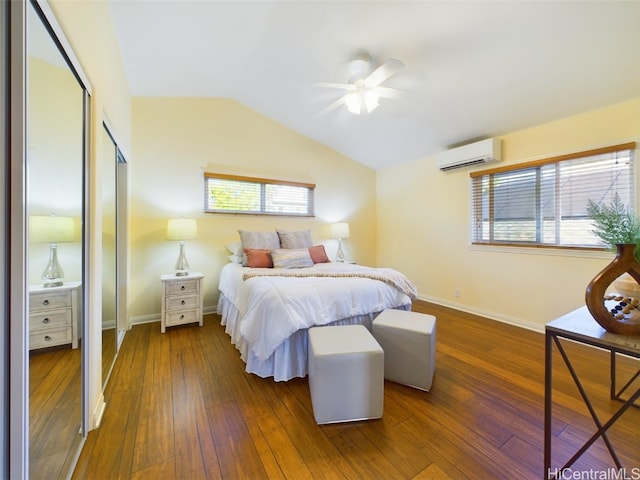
x=53, y=275
x=340, y=253
x=182, y=265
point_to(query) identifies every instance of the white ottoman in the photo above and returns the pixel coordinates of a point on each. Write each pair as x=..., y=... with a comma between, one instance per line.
x=346, y=374
x=409, y=343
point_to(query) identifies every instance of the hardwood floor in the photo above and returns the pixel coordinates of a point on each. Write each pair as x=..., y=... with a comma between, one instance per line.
x=55, y=410
x=180, y=405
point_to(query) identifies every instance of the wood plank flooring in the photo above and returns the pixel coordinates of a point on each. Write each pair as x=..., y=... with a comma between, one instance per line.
x=180, y=405
x=55, y=410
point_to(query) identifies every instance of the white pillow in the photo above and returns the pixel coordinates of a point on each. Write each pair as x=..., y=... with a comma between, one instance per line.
x=234, y=248
x=291, y=258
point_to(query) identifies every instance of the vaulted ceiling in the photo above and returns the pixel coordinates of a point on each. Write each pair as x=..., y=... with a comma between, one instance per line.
x=472, y=69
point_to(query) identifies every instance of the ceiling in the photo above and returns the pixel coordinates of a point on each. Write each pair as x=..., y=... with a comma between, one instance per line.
x=472, y=69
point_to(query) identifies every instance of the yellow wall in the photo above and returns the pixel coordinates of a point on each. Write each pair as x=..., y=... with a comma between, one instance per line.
x=423, y=228
x=54, y=161
x=177, y=139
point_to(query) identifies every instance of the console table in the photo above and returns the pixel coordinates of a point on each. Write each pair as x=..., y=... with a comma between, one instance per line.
x=580, y=326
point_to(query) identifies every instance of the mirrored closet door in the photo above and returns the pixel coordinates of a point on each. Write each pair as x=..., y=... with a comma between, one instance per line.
x=109, y=264
x=113, y=182
x=56, y=160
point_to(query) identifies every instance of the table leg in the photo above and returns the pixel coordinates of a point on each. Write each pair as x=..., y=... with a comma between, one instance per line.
x=601, y=430
x=548, y=385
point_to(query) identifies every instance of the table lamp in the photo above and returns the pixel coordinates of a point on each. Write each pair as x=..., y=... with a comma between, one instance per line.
x=340, y=231
x=52, y=229
x=182, y=229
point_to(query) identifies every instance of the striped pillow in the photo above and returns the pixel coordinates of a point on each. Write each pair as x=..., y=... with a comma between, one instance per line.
x=291, y=258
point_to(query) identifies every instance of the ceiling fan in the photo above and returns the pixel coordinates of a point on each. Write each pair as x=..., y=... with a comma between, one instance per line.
x=364, y=87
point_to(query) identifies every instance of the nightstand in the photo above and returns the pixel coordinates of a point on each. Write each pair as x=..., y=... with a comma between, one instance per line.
x=54, y=315
x=181, y=299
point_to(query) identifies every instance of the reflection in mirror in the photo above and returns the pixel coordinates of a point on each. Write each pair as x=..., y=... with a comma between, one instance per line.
x=55, y=253
x=109, y=266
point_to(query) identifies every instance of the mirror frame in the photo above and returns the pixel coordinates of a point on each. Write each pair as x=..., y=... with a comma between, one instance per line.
x=18, y=398
x=5, y=280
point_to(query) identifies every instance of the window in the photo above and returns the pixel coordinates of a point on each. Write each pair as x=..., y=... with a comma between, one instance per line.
x=544, y=203
x=257, y=196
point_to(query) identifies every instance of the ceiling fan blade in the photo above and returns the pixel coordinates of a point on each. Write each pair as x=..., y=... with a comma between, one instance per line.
x=384, y=71
x=386, y=92
x=332, y=106
x=341, y=86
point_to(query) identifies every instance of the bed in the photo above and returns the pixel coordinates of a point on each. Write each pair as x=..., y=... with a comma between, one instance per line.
x=267, y=311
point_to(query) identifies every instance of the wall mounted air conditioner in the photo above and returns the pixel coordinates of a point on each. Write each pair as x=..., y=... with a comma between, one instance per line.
x=484, y=151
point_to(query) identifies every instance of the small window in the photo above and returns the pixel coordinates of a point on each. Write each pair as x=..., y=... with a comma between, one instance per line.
x=544, y=203
x=257, y=196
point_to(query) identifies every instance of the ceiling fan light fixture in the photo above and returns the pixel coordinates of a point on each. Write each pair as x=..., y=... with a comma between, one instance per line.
x=362, y=101
x=353, y=101
x=371, y=100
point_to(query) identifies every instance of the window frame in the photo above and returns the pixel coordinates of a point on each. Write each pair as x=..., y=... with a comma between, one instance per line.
x=262, y=182
x=476, y=207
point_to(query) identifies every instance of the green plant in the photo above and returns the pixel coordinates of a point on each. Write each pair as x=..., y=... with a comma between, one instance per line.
x=614, y=224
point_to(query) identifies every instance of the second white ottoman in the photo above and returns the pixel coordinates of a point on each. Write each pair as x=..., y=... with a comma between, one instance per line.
x=409, y=343
x=346, y=374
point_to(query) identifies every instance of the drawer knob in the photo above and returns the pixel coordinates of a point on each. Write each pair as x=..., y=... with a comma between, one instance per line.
x=46, y=302
x=47, y=338
x=182, y=316
x=45, y=320
x=182, y=287
x=182, y=302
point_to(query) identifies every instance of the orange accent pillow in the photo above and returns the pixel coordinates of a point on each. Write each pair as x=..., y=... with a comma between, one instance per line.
x=318, y=254
x=258, y=258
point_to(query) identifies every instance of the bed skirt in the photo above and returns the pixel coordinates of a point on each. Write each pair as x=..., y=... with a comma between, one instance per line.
x=290, y=359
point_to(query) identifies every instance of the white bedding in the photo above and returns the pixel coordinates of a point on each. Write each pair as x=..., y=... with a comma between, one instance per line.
x=267, y=317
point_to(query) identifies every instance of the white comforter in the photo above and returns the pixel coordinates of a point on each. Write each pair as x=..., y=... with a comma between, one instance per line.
x=272, y=308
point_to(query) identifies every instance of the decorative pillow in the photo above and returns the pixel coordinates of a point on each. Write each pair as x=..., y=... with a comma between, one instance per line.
x=299, y=239
x=258, y=258
x=318, y=254
x=258, y=241
x=291, y=258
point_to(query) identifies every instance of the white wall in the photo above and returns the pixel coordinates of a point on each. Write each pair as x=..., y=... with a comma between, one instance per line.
x=423, y=228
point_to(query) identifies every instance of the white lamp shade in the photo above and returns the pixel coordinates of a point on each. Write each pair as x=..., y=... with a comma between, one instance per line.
x=182, y=229
x=340, y=230
x=51, y=229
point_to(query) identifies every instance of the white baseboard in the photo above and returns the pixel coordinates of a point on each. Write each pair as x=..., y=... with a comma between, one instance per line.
x=518, y=322
x=139, y=320
x=98, y=413
x=155, y=317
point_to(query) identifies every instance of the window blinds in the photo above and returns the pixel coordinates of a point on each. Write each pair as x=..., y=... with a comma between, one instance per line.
x=544, y=203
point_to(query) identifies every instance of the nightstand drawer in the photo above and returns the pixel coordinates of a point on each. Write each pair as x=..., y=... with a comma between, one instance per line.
x=51, y=318
x=49, y=300
x=184, y=316
x=182, y=301
x=50, y=338
x=184, y=286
